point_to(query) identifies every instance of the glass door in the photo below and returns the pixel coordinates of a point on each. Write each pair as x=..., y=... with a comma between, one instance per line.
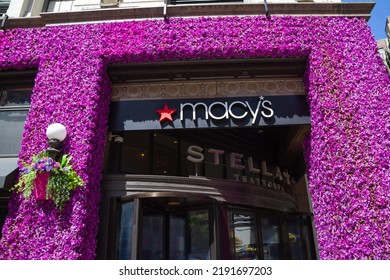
x=189, y=235
x=169, y=228
x=174, y=229
x=153, y=234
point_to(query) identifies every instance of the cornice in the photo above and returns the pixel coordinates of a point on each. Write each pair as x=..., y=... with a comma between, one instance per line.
x=207, y=89
x=360, y=10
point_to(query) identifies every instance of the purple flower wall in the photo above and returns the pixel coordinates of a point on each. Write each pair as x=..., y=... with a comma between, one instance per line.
x=348, y=93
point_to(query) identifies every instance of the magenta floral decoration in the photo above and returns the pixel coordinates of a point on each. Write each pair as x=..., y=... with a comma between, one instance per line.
x=48, y=179
x=348, y=92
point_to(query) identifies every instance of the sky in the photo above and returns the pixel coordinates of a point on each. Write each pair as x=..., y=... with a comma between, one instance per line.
x=377, y=21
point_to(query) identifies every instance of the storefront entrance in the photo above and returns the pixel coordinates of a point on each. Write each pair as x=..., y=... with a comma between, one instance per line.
x=159, y=226
x=204, y=160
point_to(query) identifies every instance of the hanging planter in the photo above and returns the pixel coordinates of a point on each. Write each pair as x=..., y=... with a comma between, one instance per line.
x=48, y=179
x=40, y=186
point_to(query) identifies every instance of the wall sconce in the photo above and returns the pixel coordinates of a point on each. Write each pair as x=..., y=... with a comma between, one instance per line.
x=56, y=133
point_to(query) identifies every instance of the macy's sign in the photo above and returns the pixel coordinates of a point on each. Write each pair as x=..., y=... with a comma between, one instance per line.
x=226, y=110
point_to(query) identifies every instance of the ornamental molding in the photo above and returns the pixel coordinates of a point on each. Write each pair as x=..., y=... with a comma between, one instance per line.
x=155, y=10
x=207, y=89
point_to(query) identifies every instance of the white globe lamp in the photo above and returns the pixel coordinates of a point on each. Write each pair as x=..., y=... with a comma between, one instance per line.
x=56, y=133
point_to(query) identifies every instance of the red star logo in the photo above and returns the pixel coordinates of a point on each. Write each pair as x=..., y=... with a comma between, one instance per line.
x=166, y=114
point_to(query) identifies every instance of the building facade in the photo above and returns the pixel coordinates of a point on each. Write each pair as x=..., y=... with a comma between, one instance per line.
x=383, y=49
x=212, y=131
x=384, y=46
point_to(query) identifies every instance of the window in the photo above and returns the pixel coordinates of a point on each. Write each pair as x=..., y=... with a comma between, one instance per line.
x=56, y=6
x=245, y=240
x=256, y=234
x=174, y=228
x=135, y=153
x=165, y=155
x=4, y=4
x=178, y=2
x=14, y=105
x=270, y=231
x=126, y=231
x=108, y=3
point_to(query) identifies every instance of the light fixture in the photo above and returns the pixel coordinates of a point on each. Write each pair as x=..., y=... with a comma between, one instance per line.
x=174, y=203
x=56, y=133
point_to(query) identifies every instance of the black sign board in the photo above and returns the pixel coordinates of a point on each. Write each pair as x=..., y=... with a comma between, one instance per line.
x=208, y=113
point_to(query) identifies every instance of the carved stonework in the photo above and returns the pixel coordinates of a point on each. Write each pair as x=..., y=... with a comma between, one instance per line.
x=207, y=88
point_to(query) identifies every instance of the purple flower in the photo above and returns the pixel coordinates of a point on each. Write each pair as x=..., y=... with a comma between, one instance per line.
x=347, y=90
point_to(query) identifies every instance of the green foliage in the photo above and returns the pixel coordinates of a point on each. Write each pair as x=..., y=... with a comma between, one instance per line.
x=25, y=184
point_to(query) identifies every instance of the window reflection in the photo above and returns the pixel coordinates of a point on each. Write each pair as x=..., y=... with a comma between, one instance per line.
x=190, y=235
x=182, y=229
x=245, y=239
x=126, y=231
x=271, y=242
x=165, y=155
x=13, y=123
x=295, y=237
x=152, y=244
x=15, y=98
x=135, y=158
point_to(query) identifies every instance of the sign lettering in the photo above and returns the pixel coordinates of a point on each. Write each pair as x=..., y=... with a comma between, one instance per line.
x=237, y=161
x=223, y=110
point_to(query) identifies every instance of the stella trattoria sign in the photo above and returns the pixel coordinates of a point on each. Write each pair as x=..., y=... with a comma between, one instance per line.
x=262, y=175
x=208, y=113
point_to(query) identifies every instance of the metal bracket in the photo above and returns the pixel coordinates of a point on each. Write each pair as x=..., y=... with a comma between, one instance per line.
x=165, y=10
x=3, y=22
x=267, y=13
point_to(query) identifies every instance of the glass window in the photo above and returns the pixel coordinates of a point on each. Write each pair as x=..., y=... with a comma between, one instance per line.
x=135, y=158
x=187, y=167
x=14, y=105
x=235, y=159
x=165, y=155
x=55, y=6
x=7, y=166
x=187, y=2
x=3, y=213
x=168, y=230
x=270, y=230
x=213, y=170
x=18, y=98
x=308, y=237
x=126, y=231
x=189, y=235
x=4, y=4
x=177, y=238
x=295, y=237
x=152, y=236
x=12, y=123
x=108, y=3
x=244, y=236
